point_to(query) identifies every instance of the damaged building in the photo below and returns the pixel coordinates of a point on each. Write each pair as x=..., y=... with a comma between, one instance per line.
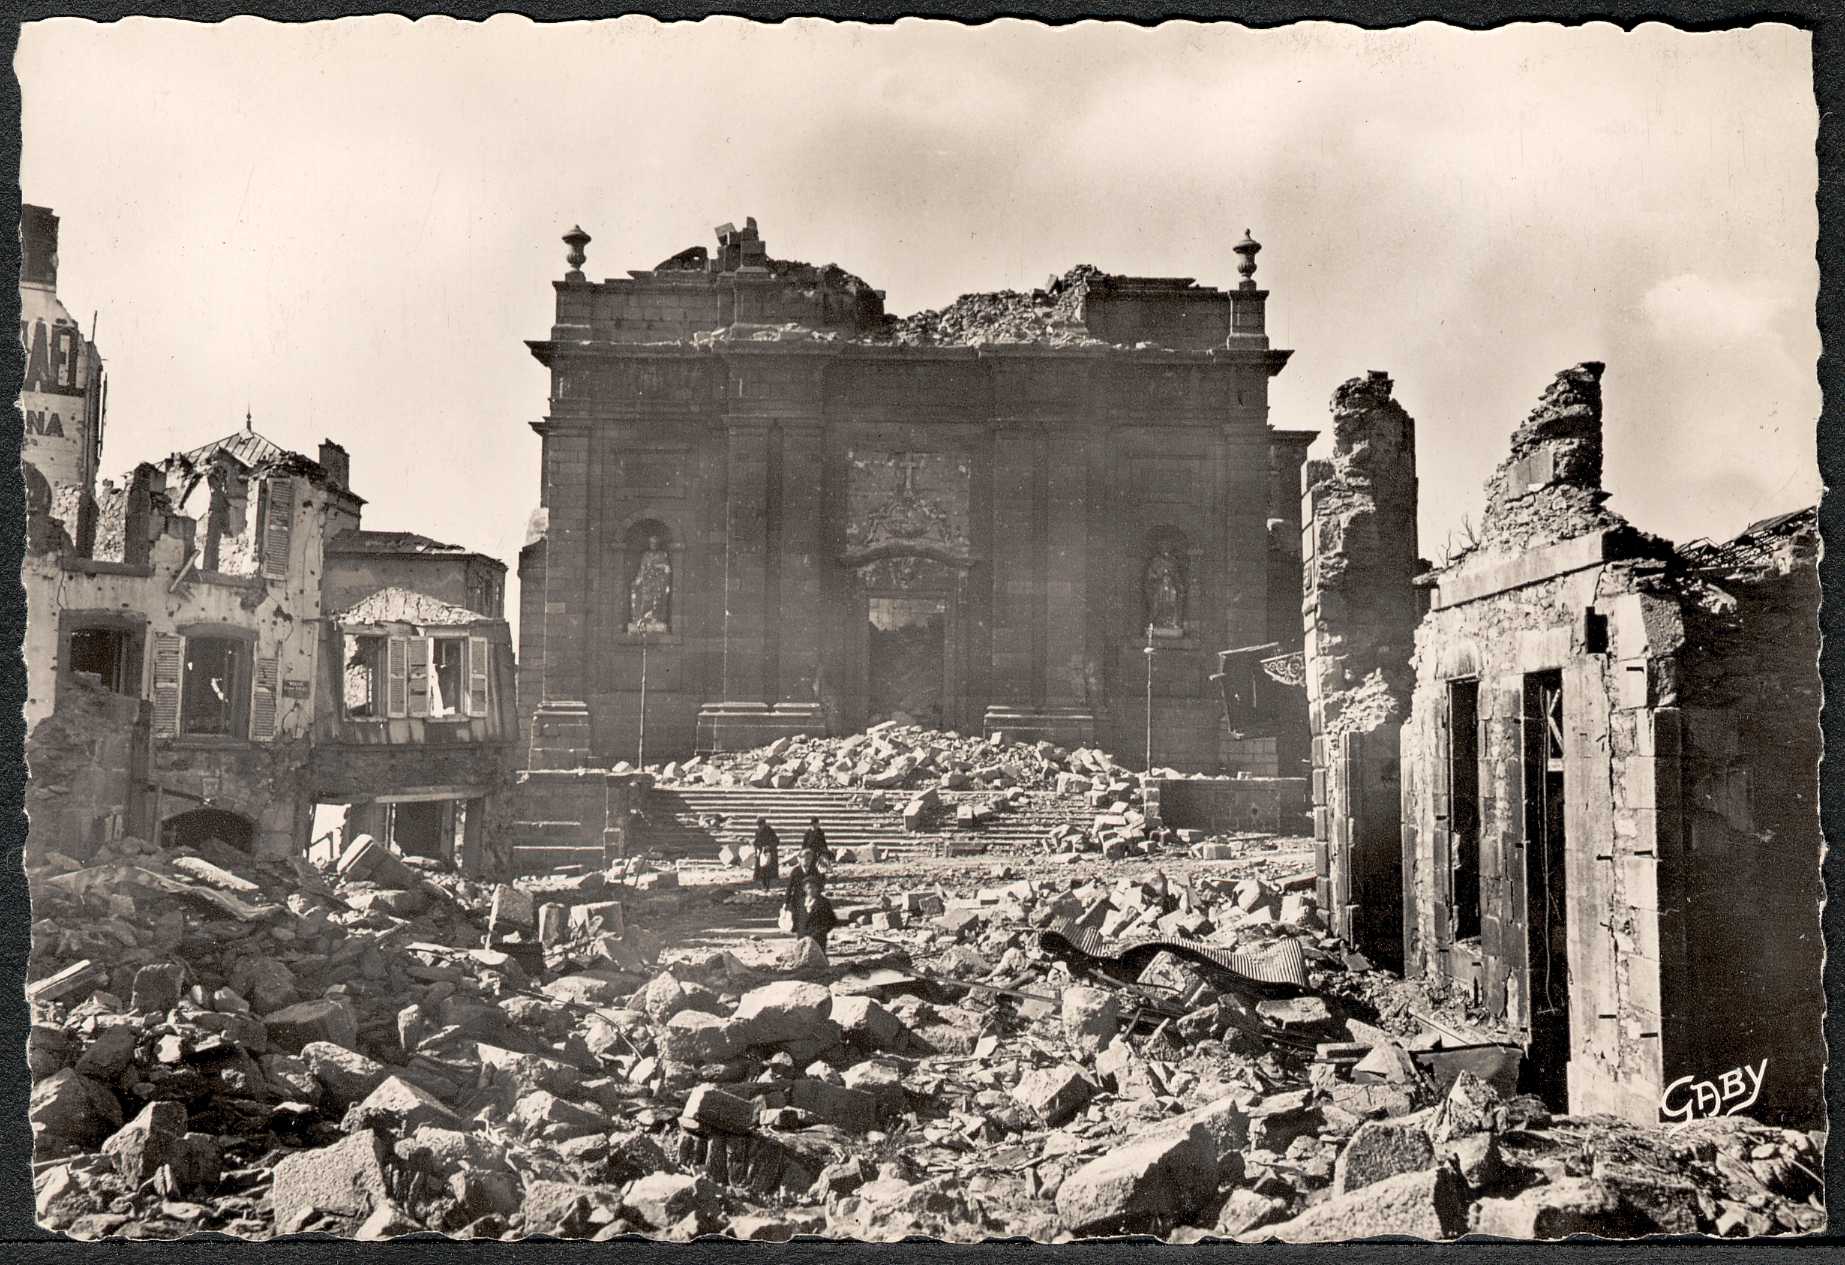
x=808, y=516
x=201, y=596
x=232, y=652
x=1599, y=756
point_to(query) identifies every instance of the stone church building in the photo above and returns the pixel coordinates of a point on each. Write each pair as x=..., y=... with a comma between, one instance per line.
x=770, y=508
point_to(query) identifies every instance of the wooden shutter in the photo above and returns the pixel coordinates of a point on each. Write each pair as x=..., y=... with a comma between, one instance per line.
x=262, y=700
x=418, y=648
x=477, y=676
x=278, y=523
x=397, y=691
x=169, y=651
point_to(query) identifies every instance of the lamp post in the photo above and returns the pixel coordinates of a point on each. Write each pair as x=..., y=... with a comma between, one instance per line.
x=1149, y=653
x=640, y=750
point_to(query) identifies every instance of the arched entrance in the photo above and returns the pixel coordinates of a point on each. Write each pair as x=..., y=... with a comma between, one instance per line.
x=913, y=640
x=195, y=828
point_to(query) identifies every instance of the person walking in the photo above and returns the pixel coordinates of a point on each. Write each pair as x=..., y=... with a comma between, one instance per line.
x=802, y=876
x=768, y=854
x=821, y=918
x=815, y=840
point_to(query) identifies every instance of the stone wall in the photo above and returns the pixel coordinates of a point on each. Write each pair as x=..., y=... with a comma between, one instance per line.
x=1231, y=805
x=86, y=768
x=1662, y=922
x=1359, y=615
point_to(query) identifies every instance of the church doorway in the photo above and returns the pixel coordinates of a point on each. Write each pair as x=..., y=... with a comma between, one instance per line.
x=908, y=660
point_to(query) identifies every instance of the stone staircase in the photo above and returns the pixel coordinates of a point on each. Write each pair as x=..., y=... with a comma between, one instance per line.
x=677, y=817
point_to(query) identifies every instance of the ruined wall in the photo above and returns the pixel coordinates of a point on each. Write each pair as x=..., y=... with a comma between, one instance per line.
x=1663, y=924
x=85, y=766
x=1748, y=889
x=1359, y=615
x=166, y=597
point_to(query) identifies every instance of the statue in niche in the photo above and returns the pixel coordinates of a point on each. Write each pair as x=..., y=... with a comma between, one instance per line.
x=1163, y=589
x=650, y=595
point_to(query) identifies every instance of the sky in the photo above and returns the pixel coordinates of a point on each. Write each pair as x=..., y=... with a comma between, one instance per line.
x=350, y=228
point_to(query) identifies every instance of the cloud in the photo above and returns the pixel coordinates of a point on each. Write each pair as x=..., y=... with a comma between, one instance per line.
x=1702, y=309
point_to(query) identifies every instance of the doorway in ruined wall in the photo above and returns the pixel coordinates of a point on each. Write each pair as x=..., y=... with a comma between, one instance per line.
x=1464, y=809
x=1546, y=898
x=199, y=827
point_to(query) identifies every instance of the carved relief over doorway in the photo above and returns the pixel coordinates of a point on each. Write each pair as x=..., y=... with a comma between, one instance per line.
x=906, y=503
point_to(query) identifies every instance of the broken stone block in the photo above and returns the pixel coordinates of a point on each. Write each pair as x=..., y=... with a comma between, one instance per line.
x=1296, y=1014
x=398, y=1107
x=1091, y=1018
x=1055, y=1094
x=482, y=1193
x=1470, y=1107
x=865, y=1023
x=850, y=1109
x=663, y=1199
x=1388, y=1062
x=713, y=1108
x=336, y=1187
x=157, y=987
x=1559, y=1208
x=541, y=1114
x=1370, y=1101
x=1226, y=1119
x=553, y=921
x=1277, y=1120
x=783, y=1011
x=387, y=1221
x=1477, y=1156
x=323, y=1019
x=142, y=1145
x=70, y=1106
x=1245, y=1210
x=1428, y=1204
x=194, y=1162
x=346, y=1075
x=1381, y=1149
x=562, y=1208
x=1153, y=1183
x=290, y=1077
x=269, y=984
x=527, y=1070
x=603, y=917
x=74, y=980
x=587, y=989
x=111, y=1053
x=694, y=1037
x=663, y=998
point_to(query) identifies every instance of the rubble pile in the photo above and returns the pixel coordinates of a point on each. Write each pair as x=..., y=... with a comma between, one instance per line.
x=1052, y=316
x=224, y=1045
x=894, y=756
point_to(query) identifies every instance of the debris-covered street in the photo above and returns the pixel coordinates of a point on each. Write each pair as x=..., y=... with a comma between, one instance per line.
x=258, y=1048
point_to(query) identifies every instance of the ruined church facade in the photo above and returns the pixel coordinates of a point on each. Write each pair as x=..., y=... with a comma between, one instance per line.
x=769, y=508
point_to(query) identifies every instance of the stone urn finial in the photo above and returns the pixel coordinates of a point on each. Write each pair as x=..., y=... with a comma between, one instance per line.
x=1246, y=266
x=576, y=239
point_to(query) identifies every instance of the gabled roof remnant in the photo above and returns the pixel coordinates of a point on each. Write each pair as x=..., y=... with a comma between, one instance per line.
x=402, y=606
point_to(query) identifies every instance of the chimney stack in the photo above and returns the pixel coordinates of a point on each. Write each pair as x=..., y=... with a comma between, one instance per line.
x=337, y=464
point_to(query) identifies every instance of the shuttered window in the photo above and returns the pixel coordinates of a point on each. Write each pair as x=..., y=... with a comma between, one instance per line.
x=263, y=700
x=418, y=648
x=278, y=523
x=167, y=655
x=477, y=676
x=398, y=700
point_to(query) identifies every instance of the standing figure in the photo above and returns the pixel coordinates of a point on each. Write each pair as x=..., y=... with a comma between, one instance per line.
x=768, y=854
x=650, y=596
x=814, y=840
x=803, y=876
x=821, y=917
x=1164, y=591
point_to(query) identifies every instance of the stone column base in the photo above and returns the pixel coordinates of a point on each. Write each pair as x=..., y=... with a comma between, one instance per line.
x=739, y=726
x=560, y=736
x=1065, y=726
